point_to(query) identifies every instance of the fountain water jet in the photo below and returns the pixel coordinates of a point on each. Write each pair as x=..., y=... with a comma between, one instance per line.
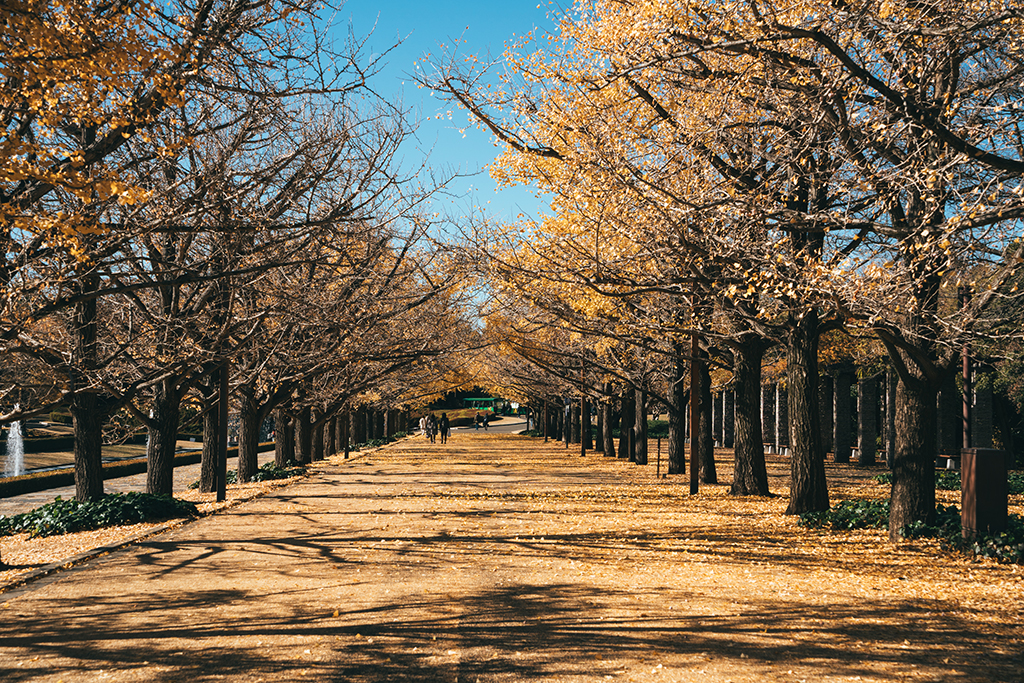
x=15, y=464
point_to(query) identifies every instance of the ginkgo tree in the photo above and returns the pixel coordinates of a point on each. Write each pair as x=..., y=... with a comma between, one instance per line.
x=624, y=150
x=849, y=161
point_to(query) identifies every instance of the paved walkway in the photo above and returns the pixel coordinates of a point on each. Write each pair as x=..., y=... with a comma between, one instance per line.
x=498, y=559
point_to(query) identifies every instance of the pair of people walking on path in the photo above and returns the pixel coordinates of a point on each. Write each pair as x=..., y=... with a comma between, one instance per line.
x=431, y=426
x=482, y=419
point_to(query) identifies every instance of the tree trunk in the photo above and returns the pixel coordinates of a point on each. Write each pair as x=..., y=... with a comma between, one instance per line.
x=606, y=426
x=304, y=436
x=706, y=441
x=913, y=468
x=248, y=433
x=586, y=435
x=317, y=451
x=577, y=436
x=211, y=430
x=808, y=488
x=750, y=474
x=677, y=414
x=640, y=428
x=344, y=426
x=283, y=449
x=626, y=424
x=88, y=417
x=87, y=412
x=163, y=438
x=222, y=431
x=331, y=434
x=359, y=425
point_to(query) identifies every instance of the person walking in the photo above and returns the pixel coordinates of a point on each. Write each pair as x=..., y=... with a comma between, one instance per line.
x=487, y=417
x=476, y=421
x=423, y=425
x=444, y=427
x=432, y=428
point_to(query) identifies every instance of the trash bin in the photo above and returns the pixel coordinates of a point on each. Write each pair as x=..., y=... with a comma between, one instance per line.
x=983, y=490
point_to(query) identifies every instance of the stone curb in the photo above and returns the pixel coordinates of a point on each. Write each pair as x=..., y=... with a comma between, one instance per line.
x=86, y=555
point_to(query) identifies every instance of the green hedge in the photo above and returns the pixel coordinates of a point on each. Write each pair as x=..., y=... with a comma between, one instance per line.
x=43, y=481
x=67, y=516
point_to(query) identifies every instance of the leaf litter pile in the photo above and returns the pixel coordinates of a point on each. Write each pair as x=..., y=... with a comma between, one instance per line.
x=548, y=566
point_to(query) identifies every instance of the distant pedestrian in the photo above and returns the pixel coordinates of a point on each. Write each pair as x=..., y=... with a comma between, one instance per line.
x=487, y=417
x=432, y=427
x=423, y=425
x=477, y=420
x=444, y=427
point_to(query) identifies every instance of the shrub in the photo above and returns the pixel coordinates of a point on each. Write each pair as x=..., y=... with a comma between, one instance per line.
x=1005, y=546
x=657, y=429
x=270, y=471
x=374, y=443
x=267, y=472
x=66, y=516
x=850, y=514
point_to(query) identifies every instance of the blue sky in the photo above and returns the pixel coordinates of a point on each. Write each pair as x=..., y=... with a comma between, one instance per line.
x=481, y=27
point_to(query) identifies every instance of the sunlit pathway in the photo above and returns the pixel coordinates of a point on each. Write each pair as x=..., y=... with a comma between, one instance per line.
x=501, y=558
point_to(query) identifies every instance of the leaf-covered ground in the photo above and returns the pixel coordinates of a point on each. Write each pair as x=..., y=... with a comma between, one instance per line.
x=502, y=558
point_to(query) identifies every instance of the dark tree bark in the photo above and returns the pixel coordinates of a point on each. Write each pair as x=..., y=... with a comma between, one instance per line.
x=913, y=468
x=808, y=487
x=640, y=428
x=606, y=426
x=163, y=438
x=344, y=425
x=88, y=416
x=626, y=424
x=677, y=413
x=87, y=411
x=359, y=425
x=211, y=430
x=249, y=420
x=706, y=440
x=317, y=451
x=586, y=434
x=284, y=448
x=567, y=422
x=331, y=435
x=577, y=436
x=304, y=436
x=750, y=476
